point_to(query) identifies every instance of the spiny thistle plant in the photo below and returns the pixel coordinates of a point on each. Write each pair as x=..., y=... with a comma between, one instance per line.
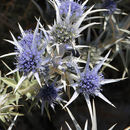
x=51, y=61
x=29, y=53
x=89, y=83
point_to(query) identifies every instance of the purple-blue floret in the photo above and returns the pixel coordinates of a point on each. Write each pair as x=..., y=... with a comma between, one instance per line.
x=28, y=39
x=76, y=9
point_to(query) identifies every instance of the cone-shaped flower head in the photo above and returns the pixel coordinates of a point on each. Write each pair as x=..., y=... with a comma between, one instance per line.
x=48, y=94
x=29, y=59
x=90, y=82
x=110, y=5
x=65, y=29
x=76, y=9
x=63, y=33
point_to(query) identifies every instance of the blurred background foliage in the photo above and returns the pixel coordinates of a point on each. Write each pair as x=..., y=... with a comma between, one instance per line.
x=23, y=11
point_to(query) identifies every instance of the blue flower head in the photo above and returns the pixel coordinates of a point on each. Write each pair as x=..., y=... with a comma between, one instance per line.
x=90, y=82
x=76, y=9
x=29, y=51
x=29, y=59
x=110, y=5
x=48, y=94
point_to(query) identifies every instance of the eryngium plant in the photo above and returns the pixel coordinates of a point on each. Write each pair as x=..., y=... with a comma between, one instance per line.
x=30, y=48
x=61, y=51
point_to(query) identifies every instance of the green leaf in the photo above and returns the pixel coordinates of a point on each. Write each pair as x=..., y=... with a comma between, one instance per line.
x=9, y=81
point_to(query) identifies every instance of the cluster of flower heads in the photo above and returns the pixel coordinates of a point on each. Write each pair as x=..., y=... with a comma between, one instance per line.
x=41, y=50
